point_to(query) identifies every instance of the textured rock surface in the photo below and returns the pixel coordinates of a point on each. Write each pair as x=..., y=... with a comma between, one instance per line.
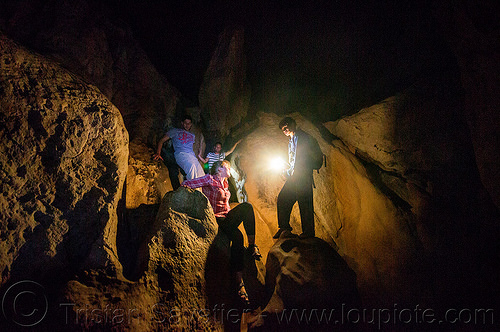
x=63, y=161
x=402, y=234
x=426, y=174
x=225, y=93
x=86, y=41
x=172, y=261
x=307, y=275
x=147, y=180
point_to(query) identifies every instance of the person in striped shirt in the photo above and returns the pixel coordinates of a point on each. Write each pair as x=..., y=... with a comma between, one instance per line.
x=217, y=154
x=215, y=186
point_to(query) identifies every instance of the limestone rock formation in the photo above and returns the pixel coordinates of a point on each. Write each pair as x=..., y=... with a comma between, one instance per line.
x=402, y=233
x=225, y=92
x=306, y=275
x=415, y=150
x=147, y=180
x=83, y=37
x=170, y=291
x=63, y=161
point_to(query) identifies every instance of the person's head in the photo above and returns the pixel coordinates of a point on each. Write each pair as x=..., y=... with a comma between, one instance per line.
x=288, y=126
x=218, y=147
x=186, y=122
x=222, y=168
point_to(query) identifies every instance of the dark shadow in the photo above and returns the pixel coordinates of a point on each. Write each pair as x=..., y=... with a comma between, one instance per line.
x=132, y=231
x=336, y=290
x=221, y=288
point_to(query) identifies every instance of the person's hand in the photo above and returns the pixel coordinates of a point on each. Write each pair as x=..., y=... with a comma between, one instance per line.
x=157, y=156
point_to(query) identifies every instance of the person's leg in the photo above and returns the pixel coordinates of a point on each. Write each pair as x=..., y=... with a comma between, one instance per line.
x=237, y=250
x=199, y=172
x=244, y=213
x=229, y=226
x=173, y=168
x=190, y=164
x=305, y=199
x=286, y=199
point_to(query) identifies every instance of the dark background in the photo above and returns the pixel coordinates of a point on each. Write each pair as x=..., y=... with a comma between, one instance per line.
x=325, y=58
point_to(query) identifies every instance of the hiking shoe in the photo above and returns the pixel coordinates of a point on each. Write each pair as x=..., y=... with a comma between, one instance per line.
x=255, y=252
x=242, y=294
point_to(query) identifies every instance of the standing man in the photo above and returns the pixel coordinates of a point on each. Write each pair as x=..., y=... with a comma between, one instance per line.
x=299, y=184
x=182, y=141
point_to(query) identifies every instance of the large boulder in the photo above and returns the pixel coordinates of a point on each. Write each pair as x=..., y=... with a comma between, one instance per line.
x=147, y=180
x=169, y=291
x=306, y=277
x=85, y=38
x=63, y=161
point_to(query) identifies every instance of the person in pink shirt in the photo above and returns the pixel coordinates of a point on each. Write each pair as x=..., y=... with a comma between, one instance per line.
x=216, y=188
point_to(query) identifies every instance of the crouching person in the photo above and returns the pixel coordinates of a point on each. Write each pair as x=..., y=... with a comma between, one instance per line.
x=215, y=186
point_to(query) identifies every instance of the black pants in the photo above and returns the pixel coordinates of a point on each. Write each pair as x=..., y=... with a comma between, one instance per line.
x=173, y=169
x=297, y=189
x=229, y=225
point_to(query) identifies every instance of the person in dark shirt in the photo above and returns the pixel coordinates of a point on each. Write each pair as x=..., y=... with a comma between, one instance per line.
x=299, y=184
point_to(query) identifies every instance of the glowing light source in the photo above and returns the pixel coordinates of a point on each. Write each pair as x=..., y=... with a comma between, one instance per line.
x=278, y=164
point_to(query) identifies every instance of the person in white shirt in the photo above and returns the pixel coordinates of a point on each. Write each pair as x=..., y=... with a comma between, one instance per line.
x=182, y=141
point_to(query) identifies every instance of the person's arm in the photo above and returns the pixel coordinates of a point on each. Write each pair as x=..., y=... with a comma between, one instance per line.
x=157, y=155
x=232, y=149
x=202, y=141
x=198, y=182
x=200, y=152
x=204, y=160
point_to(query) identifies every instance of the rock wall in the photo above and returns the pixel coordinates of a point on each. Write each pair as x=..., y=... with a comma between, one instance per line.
x=64, y=151
x=225, y=92
x=400, y=198
x=170, y=291
x=416, y=151
x=82, y=36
